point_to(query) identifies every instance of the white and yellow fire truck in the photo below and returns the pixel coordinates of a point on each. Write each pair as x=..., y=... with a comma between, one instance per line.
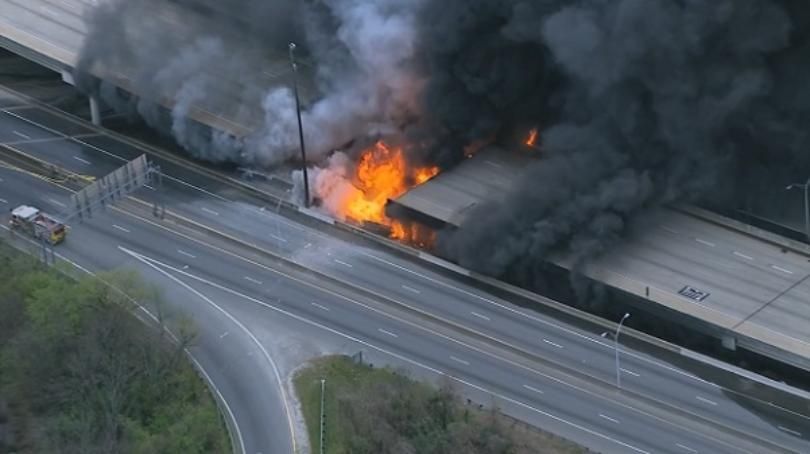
x=37, y=224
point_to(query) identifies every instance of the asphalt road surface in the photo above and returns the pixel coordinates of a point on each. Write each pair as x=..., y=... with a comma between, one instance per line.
x=585, y=410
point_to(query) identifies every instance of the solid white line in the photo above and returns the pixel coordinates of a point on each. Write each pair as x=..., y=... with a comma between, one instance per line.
x=552, y=343
x=686, y=448
x=387, y=332
x=19, y=134
x=411, y=289
x=56, y=202
x=255, y=281
x=790, y=431
x=393, y=354
x=115, y=226
x=320, y=307
x=609, y=418
x=182, y=252
x=210, y=211
x=533, y=389
x=707, y=243
x=703, y=399
x=740, y=254
x=84, y=161
x=779, y=268
x=233, y=319
x=630, y=372
x=458, y=360
x=484, y=317
x=341, y=262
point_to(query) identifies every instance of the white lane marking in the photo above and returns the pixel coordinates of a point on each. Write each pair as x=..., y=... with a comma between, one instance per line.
x=3, y=201
x=704, y=242
x=552, y=343
x=116, y=226
x=703, y=399
x=149, y=187
x=222, y=336
x=387, y=332
x=56, y=202
x=182, y=252
x=19, y=134
x=790, y=431
x=686, y=448
x=483, y=317
x=779, y=268
x=83, y=161
x=210, y=211
x=321, y=307
x=669, y=229
x=255, y=281
x=459, y=360
x=279, y=381
x=533, y=389
x=276, y=237
x=387, y=352
x=341, y=262
x=630, y=372
x=609, y=418
x=411, y=289
x=740, y=254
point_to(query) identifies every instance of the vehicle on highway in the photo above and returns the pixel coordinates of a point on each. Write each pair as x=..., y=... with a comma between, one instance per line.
x=37, y=224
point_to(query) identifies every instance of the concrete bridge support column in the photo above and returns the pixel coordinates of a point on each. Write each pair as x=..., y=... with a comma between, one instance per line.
x=95, y=114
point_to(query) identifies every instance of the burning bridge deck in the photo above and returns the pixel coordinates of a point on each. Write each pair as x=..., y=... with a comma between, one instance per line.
x=732, y=286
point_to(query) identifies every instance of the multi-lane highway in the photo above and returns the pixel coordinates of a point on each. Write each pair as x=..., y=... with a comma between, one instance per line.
x=551, y=374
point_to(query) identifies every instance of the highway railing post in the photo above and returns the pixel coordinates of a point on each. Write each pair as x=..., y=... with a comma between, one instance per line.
x=616, y=347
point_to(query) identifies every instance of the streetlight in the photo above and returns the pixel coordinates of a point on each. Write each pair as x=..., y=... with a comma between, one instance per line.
x=300, y=126
x=804, y=185
x=616, y=347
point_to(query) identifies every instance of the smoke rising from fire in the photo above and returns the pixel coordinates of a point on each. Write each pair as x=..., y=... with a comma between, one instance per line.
x=637, y=103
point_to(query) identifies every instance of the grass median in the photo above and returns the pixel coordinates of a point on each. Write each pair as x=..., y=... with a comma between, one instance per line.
x=379, y=410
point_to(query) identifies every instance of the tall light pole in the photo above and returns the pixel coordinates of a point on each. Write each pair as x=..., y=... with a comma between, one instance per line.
x=805, y=186
x=616, y=347
x=300, y=125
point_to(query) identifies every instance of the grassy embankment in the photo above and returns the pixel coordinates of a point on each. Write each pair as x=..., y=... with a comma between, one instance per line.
x=380, y=411
x=80, y=374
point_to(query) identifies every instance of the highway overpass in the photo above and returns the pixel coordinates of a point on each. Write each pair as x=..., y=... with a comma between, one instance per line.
x=741, y=285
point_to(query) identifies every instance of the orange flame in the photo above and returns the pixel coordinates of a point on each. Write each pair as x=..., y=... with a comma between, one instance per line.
x=532, y=139
x=383, y=174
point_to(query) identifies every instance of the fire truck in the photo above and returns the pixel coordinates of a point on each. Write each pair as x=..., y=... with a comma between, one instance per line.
x=37, y=224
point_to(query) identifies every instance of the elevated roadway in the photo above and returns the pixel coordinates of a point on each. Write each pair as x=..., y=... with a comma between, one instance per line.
x=747, y=291
x=549, y=373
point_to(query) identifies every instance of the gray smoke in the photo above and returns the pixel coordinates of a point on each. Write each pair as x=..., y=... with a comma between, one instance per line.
x=226, y=61
x=642, y=102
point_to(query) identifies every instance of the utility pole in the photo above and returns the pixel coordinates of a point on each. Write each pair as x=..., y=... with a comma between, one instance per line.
x=616, y=347
x=805, y=186
x=300, y=125
x=323, y=416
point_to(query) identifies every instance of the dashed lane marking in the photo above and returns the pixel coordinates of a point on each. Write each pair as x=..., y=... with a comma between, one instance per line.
x=741, y=255
x=533, y=389
x=552, y=343
x=705, y=243
x=686, y=448
x=779, y=268
x=321, y=307
x=459, y=360
x=703, y=399
x=182, y=252
x=341, y=262
x=19, y=134
x=411, y=289
x=210, y=211
x=125, y=230
x=255, y=281
x=389, y=333
x=630, y=372
x=609, y=418
x=82, y=160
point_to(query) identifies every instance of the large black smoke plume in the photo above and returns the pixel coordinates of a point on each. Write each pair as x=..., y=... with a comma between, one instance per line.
x=641, y=102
